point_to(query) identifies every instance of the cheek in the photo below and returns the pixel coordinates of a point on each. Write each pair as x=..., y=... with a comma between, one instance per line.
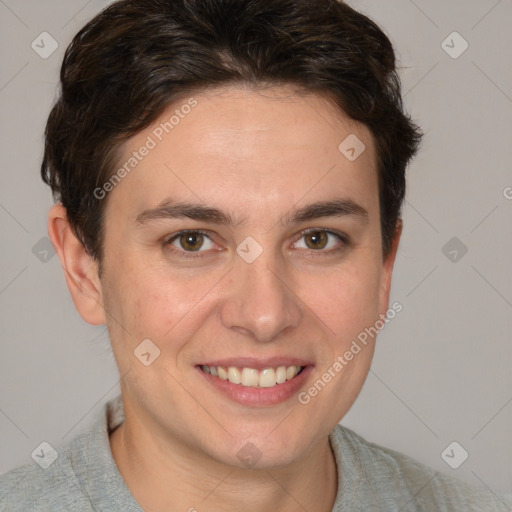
x=153, y=305
x=347, y=300
x=133, y=299
x=158, y=303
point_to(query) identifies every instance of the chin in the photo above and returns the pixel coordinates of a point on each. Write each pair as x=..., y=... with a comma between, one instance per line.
x=261, y=451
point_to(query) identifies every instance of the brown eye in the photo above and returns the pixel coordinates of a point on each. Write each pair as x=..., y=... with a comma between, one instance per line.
x=316, y=239
x=191, y=241
x=322, y=241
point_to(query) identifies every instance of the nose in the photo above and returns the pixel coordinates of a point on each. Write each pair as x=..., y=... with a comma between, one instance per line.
x=260, y=302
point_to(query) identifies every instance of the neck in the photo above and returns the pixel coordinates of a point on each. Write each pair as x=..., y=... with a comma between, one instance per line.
x=179, y=478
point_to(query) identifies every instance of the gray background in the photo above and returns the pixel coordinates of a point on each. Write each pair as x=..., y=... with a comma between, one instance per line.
x=442, y=369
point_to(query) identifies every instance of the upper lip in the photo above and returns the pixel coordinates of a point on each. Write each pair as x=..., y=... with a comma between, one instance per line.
x=257, y=364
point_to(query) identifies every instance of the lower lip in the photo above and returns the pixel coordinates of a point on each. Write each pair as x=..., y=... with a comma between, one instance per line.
x=247, y=395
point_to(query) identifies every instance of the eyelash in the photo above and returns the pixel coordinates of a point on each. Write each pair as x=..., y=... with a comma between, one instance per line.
x=345, y=241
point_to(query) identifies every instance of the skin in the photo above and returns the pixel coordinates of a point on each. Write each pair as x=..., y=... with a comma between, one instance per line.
x=258, y=155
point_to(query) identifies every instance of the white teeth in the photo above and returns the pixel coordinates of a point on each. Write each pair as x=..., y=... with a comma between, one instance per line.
x=290, y=372
x=251, y=377
x=267, y=378
x=281, y=374
x=234, y=375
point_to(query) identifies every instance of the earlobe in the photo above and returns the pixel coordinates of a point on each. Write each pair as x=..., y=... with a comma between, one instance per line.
x=387, y=270
x=80, y=269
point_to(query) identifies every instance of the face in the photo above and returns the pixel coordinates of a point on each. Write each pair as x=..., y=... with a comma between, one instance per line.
x=215, y=252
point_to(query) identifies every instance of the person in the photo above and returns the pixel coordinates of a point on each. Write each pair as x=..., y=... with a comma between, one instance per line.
x=229, y=177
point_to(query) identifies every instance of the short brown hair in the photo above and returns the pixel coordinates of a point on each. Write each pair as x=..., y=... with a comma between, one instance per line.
x=134, y=58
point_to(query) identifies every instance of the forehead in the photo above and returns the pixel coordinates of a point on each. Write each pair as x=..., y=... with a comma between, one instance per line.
x=247, y=121
x=245, y=146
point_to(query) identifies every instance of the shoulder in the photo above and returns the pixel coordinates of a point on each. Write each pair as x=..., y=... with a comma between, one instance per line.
x=81, y=475
x=54, y=489
x=397, y=480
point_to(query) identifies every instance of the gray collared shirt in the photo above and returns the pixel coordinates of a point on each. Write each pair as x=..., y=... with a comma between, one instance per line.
x=85, y=478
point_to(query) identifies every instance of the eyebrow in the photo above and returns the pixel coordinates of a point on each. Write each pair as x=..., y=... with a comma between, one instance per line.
x=168, y=209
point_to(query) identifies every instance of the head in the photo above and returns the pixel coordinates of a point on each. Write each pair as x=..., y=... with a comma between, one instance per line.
x=274, y=134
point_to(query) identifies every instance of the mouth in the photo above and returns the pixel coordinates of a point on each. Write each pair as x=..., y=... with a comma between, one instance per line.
x=255, y=382
x=252, y=377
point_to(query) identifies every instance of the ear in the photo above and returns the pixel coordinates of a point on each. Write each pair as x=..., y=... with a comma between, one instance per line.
x=80, y=269
x=387, y=270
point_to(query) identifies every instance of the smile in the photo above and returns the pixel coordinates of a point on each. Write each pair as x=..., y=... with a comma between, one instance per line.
x=251, y=377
